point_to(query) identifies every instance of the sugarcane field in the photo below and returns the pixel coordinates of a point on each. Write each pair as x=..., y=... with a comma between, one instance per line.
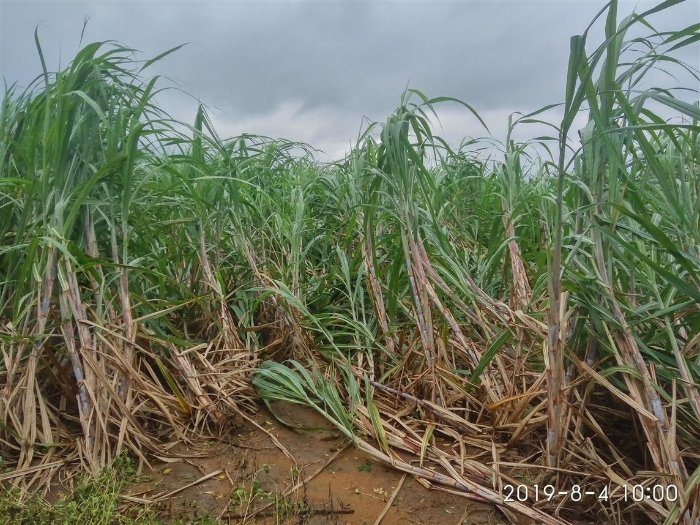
x=203, y=323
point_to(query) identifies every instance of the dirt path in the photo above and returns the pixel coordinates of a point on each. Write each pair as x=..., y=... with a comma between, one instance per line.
x=251, y=472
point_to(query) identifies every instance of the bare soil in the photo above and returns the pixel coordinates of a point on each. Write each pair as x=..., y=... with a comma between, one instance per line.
x=342, y=485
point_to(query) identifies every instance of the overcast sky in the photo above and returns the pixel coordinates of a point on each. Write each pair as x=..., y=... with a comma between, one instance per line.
x=310, y=71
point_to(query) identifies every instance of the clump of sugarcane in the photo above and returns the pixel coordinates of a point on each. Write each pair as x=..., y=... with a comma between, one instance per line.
x=538, y=314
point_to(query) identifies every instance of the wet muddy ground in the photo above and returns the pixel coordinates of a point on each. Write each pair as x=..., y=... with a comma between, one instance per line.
x=249, y=479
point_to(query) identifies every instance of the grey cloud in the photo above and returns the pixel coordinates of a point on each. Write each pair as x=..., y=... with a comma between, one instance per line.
x=341, y=59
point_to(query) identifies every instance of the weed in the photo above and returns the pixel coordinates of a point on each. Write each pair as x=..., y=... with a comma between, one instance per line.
x=244, y=497
x=365, y=467
x=93, y=501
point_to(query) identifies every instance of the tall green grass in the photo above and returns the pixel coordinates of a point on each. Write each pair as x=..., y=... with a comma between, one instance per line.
x=542, y=315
